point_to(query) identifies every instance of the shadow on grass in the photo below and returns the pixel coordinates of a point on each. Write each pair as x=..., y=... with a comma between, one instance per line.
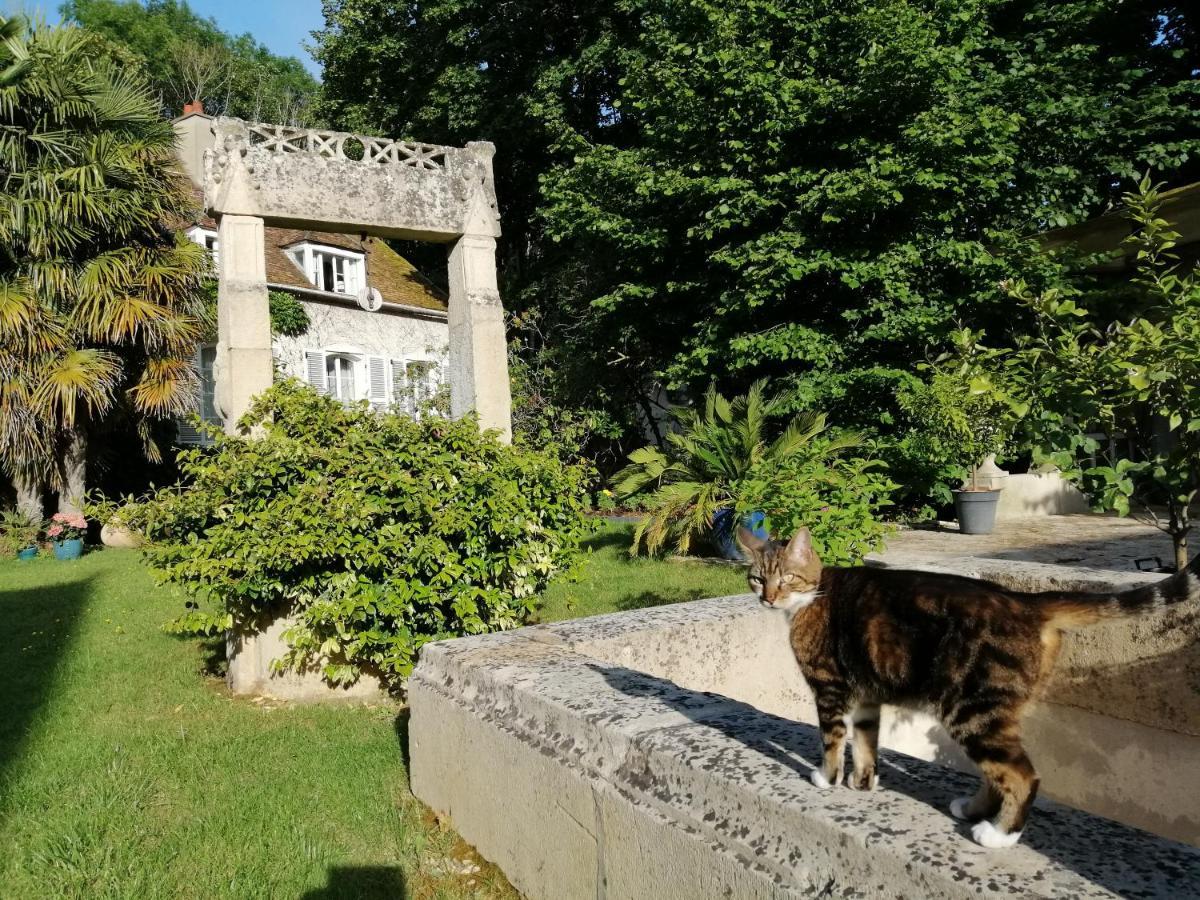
x=38, y=627
x=401, y=726
x=647, y=599
x=360, y=883
x=608, y=538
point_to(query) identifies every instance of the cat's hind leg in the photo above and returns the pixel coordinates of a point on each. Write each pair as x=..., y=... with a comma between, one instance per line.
x=864, y=749
x=1009, y=777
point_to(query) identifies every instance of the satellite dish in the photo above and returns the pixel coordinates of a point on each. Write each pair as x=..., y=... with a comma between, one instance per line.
x=370, y=299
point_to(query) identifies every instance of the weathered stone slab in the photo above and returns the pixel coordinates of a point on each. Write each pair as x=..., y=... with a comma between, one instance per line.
x=512, y=734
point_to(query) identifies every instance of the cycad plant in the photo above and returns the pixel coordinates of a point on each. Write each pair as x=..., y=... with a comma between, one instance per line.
x=708, y=452
x=99, y=295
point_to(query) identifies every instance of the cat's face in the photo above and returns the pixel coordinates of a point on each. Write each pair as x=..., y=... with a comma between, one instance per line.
x=783, y=576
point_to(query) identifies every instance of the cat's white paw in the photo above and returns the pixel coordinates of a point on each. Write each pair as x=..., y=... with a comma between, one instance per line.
x=817, y=777
x=958, y=807
x=988, y=835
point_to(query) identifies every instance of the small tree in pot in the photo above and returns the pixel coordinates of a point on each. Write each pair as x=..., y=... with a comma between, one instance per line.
x=966, y=413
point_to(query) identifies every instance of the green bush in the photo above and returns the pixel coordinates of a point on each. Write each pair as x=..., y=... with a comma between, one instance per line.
x=377, y=532
x=838, y=498
x=729, y=454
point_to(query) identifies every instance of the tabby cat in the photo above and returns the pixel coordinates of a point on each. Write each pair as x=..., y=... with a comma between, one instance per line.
x=970, y=651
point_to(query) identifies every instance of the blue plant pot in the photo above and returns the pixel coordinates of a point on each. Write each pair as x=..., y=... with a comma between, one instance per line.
x=27, y=553
x=724, y=533
x=69, y=549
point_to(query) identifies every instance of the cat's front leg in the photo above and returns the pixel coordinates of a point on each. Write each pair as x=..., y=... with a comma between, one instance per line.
x=832, y=706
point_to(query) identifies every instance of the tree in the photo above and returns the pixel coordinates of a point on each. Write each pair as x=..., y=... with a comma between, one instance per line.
x=188, y=57
x=802, y=189
x=1138, y=378
x=99, y=296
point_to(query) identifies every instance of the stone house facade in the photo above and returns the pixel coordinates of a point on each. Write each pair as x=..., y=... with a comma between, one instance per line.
x=377, y=328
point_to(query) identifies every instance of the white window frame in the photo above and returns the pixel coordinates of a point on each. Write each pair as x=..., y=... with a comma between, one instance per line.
x=344, y=364
x=306, y=257
x=206, y=238
x=369, y=373
x=401, y=397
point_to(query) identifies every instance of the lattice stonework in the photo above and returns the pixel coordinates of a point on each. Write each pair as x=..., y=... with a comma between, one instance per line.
x=342, y=145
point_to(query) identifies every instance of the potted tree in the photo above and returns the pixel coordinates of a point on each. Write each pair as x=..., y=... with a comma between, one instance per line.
x=966, y=412
x=691, y=484
x=19, y=534
x=66, y=533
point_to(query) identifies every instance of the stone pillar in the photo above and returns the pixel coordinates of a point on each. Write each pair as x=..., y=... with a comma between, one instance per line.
x=478, y=347
x=243, y=366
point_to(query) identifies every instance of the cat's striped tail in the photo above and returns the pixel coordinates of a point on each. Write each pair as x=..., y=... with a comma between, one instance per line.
x=1072, y=610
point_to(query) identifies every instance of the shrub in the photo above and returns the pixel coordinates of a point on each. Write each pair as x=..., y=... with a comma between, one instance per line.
x=722, y=455
x=17, y=531
x=377, y=532
x=838, y=498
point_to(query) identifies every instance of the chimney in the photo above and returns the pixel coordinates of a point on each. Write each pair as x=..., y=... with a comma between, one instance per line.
x=196, y=107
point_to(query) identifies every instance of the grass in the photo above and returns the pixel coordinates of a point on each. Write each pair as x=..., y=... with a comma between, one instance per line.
x=126, y=770
x=612, y=581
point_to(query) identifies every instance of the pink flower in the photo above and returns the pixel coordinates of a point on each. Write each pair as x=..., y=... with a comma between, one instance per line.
x=54, y=530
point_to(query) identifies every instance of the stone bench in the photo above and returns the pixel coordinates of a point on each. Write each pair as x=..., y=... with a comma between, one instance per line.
x=657, y=754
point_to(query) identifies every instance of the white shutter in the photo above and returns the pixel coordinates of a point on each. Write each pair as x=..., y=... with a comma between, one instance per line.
x=400, y=387
x=314, y=370
x=186, y=431
x=377, y=382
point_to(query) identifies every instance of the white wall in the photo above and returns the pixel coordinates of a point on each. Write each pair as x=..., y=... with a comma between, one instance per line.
x=387, y=334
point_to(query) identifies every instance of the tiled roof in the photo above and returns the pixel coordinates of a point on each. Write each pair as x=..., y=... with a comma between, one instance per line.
x=393, y=275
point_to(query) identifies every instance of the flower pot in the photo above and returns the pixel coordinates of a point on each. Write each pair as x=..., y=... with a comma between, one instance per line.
x=976, y=511
x=27, y=553
x=724, y=532
x=68, y=549
x=119, y=536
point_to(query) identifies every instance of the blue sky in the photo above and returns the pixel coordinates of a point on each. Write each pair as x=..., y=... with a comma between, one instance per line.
x=283, y=25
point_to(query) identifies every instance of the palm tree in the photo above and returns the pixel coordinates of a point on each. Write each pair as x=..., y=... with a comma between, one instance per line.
x=99, y=294
x=706, y=454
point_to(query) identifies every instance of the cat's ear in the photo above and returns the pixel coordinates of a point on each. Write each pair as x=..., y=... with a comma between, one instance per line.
x=749, y=540
x=799, y=548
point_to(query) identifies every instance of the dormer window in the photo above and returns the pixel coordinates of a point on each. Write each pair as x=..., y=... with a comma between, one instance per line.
x=206, y=238
x=330, y=268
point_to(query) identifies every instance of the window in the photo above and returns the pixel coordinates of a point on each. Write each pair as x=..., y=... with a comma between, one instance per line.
x=339, y=377
x=206, y=238
x=331, y=268
x=351, y=376
x=415, y=384
x=206, y=404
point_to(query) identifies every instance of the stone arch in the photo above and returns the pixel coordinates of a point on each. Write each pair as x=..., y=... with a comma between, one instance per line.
x=258, y=174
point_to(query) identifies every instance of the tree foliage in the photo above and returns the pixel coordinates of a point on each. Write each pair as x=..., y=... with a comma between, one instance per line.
x=99, y=298
x=800, y=188
x=188, y=57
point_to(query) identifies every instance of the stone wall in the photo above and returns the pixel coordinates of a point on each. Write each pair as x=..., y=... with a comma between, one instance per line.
x=665, y=753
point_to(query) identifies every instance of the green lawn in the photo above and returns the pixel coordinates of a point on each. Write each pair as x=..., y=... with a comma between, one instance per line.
x=126, y=770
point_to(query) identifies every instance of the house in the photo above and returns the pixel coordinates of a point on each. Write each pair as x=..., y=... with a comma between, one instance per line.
x=377, y=328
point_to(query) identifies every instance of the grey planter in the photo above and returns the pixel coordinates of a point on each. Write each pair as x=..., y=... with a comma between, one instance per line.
x=976, y=511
